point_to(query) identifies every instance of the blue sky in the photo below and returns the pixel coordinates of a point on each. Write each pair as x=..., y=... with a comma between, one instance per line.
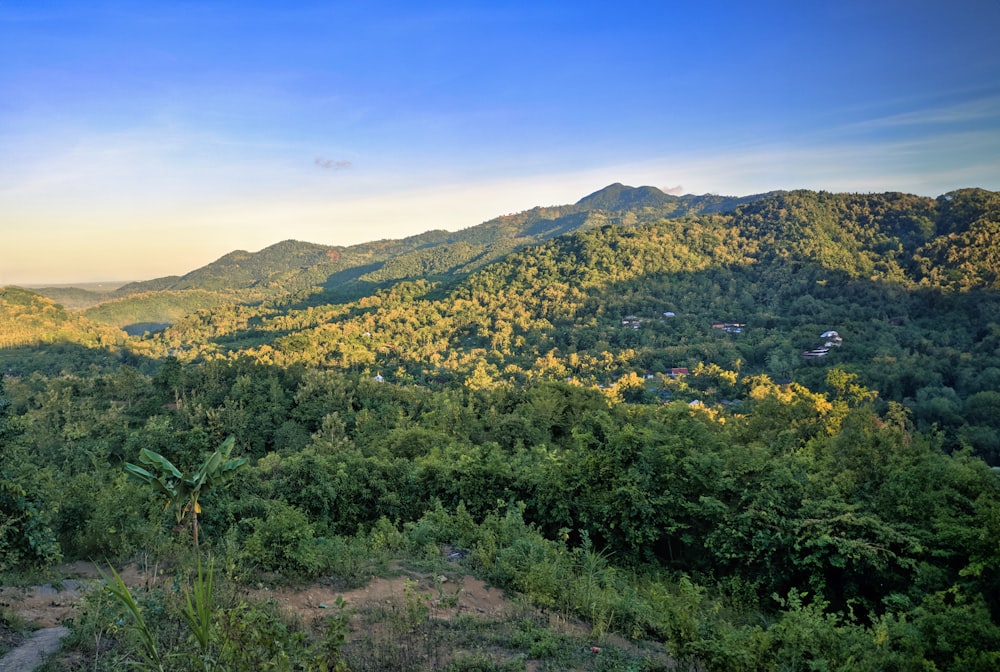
x=142, y=139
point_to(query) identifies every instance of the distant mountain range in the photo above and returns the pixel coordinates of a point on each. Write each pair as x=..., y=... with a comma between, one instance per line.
x=356, y=269
x=950, y=241
x=345, y=272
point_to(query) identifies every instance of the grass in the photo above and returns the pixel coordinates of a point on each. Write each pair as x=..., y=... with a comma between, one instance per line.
x=398, y=635
x=29, y=576
x=421, y=623
x=481, y=643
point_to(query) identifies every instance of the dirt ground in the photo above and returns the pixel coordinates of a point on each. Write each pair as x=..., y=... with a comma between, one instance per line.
x=446, y=599
x=48, y=605
x=51, y=605
x=44, y=608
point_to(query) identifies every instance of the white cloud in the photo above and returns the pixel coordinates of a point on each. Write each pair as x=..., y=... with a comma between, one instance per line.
x=976, y=110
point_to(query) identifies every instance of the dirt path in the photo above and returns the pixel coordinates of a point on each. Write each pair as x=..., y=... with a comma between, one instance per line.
x=33, y=652
x=44, y=607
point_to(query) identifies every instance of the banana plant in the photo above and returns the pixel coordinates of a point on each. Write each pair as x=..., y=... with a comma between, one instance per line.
x=181, y=494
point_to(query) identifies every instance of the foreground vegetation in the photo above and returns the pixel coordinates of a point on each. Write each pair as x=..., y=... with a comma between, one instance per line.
x=568, y=417
x=798, y=525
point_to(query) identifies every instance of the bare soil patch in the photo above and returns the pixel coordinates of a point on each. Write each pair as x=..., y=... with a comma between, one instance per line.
x=9, y=637
x=445, y=598
x=51, y=604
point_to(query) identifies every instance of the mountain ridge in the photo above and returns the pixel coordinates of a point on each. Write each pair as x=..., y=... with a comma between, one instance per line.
x=892, y=236
x=279, y=262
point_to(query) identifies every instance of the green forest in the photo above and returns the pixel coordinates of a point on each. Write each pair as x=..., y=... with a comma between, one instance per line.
x=747, y=434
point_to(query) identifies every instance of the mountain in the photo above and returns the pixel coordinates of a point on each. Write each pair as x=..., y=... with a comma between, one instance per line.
x=944, y=241
x=621, y=197
x=775, y=260
x=74, y=298
x=293, y=266
x=154, y=310
x=302, y=271
x=242, y=270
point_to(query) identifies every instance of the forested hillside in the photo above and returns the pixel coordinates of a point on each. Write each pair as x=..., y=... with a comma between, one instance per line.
x=31, y=322
x=788, y=267
x=756, y=431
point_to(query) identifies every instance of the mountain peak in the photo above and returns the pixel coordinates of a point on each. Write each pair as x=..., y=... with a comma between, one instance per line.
x=618, y=196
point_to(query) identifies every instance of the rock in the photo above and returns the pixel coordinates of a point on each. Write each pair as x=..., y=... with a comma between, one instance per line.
x=33, y=652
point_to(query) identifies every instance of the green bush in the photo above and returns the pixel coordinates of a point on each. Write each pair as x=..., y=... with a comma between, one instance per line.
x=253, y=636
x=484, y=662
x=26, y=537
x=123, y=520
x=283, y=541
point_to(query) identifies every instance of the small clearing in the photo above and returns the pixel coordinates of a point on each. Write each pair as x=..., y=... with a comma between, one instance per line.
x=47, y=607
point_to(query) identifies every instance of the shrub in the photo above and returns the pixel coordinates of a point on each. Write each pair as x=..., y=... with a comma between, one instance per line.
x=25, y=535
x=283, y=541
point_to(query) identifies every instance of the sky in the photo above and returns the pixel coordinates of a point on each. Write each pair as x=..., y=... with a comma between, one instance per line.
x=145, y=139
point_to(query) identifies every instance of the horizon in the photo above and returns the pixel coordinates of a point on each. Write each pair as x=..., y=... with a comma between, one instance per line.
x=112, y=284
x=194, y=130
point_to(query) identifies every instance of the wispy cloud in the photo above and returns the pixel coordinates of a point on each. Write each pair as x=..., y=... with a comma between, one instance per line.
x=332, y=164
x=985, y=109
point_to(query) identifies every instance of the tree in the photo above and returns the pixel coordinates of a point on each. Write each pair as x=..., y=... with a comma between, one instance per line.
x=182, y=494
x=25, y=535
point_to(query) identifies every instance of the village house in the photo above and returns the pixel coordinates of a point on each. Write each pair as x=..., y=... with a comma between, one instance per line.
x=831, y=339
x=729, y=327
x=631, y=322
